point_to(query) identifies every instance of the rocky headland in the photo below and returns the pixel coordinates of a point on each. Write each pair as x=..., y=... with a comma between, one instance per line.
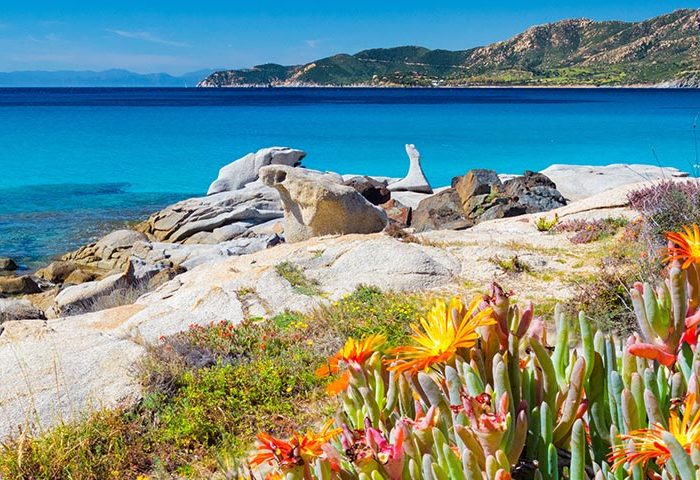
x=72, y=331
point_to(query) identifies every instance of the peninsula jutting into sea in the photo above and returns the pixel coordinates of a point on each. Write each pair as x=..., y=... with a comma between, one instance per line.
x=662, y=51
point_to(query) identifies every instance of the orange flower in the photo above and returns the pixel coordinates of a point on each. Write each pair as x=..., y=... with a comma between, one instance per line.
x=297, y=450
x=353, y=354
x=648, y=442
x=686, y=246
x=448, y=328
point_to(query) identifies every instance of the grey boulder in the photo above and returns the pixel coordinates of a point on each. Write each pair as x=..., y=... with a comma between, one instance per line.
x=16, y=309
x=252, y=205
x=245, y=170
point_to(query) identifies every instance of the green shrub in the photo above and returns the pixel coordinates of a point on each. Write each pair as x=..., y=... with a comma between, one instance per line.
x=297, y=279
x=545, y=224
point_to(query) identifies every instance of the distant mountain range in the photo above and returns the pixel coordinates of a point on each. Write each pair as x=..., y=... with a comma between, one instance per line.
x=660, y=51
x=107, y=78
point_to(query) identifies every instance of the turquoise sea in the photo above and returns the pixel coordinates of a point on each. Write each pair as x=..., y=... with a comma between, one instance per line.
x=77, y=162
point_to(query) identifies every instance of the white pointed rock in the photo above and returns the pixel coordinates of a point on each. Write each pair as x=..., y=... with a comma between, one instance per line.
x=415, y=180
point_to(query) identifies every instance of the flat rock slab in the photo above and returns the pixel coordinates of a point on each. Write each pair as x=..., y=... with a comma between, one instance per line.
x=576, y=182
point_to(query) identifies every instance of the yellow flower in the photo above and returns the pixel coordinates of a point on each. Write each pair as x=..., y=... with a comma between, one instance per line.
x=448, y=328
x=354, y=354
x=648, y=442
x=686, y=246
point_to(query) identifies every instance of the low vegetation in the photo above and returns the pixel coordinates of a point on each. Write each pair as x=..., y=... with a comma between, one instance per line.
x=478, y=393
x=208, y=391
x=545, y=224
x=588, y=231
x=296, y=277
x=666, y=207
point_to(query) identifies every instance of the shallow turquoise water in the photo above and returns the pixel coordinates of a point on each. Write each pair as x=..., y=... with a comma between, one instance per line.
x=73, y=162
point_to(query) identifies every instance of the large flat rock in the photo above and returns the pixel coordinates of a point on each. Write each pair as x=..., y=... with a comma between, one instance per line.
x=576, y=182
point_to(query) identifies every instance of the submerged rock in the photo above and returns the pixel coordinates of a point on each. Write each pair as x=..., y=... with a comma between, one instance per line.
x=316, y=204
x=243, y=171
x=7, y=265
x=415, y=180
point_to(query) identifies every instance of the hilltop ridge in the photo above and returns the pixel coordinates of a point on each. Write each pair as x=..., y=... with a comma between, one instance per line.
x=662, y=50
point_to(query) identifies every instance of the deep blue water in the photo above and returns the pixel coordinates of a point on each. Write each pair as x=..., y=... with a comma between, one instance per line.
x=75, y=162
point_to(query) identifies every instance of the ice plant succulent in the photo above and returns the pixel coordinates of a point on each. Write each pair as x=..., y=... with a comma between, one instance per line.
x=648, y=444
x=298, y=450
x=685, y=246
x=448, y=328
x=353, y=355
x=481, y=394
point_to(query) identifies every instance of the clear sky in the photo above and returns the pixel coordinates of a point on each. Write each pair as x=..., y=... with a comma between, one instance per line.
x=177, y=36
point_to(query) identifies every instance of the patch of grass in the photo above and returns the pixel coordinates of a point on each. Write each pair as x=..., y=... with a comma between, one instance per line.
x=587, y=231
x=544, y=224
x=368, y=311
x=107, y=445
x=294, y=274
x=604, y=293
x=512, y=264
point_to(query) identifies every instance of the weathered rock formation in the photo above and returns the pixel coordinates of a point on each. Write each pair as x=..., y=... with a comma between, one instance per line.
x=440, y=211
x=316, y=204
x=249, y=206
x=243, y=171
x=415, y=180
x=480, y=195
x=109, y=253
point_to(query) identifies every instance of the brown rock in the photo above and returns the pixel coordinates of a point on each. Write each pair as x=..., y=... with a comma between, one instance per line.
x=440, y=211
x=375, y=192
x=80, y=276
x=57, y=272
x=398, y=212
x=316, y=204
x=18, y=285
x=475, y=188
x=7, y=265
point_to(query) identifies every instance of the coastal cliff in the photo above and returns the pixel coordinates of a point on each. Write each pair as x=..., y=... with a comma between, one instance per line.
x=662, y=51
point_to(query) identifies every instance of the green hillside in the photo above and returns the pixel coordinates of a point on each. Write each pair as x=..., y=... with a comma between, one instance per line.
x=570, y=52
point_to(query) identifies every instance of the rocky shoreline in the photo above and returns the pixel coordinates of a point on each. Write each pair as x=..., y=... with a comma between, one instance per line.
x=210, y=258
x=266, y=198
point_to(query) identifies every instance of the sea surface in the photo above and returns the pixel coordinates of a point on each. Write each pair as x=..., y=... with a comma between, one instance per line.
x=75, y=163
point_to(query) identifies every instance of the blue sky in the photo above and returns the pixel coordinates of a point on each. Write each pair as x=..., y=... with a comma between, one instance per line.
x=177, y=36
